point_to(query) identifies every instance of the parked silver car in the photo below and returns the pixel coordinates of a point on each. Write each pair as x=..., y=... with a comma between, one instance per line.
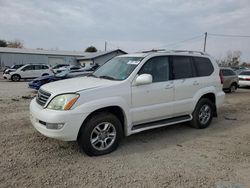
x=231, y=80
x=244, y=78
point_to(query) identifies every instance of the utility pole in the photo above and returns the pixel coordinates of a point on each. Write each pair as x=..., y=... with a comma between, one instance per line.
x=205, y=42
x=105, y=46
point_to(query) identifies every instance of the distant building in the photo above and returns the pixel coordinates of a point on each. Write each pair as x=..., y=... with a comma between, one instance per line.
x=13, y=56
x=99, y=57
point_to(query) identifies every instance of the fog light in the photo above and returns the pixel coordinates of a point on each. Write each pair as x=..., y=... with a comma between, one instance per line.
x=54, y=125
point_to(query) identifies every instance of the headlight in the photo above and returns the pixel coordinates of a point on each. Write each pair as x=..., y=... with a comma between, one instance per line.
x=63, y=102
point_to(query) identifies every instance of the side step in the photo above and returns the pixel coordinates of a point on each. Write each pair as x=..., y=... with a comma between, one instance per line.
x=163, y=122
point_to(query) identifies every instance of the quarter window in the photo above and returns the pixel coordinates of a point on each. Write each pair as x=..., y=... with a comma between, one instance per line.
x=203, y=66
x=158, y=67
x=182, y=67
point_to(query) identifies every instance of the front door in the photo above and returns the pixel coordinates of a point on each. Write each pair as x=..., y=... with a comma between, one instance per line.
x=153, y=101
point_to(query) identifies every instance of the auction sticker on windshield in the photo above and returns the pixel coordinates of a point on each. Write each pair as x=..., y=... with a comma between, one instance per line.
x=133, y=62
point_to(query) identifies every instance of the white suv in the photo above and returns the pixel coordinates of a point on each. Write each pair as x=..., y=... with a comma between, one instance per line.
x=129, y=94
x=29, y=71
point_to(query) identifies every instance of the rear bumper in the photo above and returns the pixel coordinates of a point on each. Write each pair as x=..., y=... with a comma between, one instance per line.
x=220, y=97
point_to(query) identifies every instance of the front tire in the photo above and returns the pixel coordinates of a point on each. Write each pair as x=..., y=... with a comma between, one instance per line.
x=15, y=78
x=203, y=114
x=100, y=135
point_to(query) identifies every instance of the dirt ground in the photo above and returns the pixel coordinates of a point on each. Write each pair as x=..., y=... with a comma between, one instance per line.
x=173, y=156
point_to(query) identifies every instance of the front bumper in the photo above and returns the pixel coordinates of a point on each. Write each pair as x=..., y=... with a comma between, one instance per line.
x=6, y=76
x=72, y=122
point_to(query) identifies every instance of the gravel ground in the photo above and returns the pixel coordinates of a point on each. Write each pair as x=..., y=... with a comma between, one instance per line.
x=173, y=156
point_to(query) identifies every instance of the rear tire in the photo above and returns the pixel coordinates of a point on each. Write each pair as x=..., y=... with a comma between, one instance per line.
x=15, y=78
x=233, y=88
x=100, y=135
x=45, y=74
x=203, y=114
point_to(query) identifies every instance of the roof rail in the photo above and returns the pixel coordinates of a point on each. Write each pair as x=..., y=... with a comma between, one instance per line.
x=176, y=51
x=154, y=50
x=189, y=51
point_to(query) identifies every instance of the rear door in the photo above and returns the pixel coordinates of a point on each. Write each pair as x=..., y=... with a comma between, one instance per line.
x=185, y=84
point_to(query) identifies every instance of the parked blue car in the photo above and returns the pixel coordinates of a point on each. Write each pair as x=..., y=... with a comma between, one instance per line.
x=38, y=82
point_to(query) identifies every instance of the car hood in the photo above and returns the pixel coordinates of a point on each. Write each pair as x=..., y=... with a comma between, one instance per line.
x=76, y=84
x=43, y=78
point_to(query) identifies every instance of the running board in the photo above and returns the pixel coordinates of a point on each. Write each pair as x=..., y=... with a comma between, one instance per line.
x=164, y=122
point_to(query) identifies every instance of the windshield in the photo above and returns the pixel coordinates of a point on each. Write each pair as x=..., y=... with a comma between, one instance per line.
x=118, y=68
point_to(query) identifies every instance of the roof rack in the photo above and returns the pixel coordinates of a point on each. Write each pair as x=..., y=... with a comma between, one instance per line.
x=175, y=51
x=189, y=51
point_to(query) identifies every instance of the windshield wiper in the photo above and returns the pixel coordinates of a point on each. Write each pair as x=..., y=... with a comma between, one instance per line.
x=107, y=77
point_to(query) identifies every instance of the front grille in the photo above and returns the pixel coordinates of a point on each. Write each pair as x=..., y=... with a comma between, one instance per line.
x=42, y=97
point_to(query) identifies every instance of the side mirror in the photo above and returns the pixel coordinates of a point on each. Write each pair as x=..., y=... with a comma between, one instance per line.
x=143, y=79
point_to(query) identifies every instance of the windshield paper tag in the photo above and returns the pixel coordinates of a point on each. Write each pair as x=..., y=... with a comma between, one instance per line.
x=133, y=62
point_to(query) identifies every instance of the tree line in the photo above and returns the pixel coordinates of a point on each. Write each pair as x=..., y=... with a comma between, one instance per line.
x=11, y=44
x=20, y=44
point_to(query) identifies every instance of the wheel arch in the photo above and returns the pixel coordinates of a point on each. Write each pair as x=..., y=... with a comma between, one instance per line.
x=114, y=109
x=211, y=96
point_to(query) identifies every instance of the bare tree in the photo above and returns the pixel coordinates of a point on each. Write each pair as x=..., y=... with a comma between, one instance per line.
x=15, y=44
x=3, y=43
x=231, y=60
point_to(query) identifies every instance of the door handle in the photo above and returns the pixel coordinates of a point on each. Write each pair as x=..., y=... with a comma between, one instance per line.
x=169, y=86
x=196, y=83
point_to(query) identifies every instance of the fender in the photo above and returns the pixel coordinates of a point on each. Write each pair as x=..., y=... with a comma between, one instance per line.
x=202, y=92
x=91, y=106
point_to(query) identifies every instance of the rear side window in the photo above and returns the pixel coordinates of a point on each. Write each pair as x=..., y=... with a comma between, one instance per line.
x=182, y=67
x=158, y=67
x=227, y=72
x=203, y=66
x=38, y=67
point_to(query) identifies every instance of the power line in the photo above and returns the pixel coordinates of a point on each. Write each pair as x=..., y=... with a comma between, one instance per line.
x=225, y=35
x=183, y=41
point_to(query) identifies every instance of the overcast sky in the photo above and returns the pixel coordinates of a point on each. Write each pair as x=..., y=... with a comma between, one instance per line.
x=130, y=25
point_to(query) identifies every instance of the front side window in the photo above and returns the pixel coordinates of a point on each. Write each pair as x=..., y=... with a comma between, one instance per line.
x=29, y=67
x=45, y=67
x=118, y=68
x=182, y=67
x=157, y=67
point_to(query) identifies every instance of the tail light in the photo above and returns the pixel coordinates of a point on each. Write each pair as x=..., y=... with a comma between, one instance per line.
x=221, y=77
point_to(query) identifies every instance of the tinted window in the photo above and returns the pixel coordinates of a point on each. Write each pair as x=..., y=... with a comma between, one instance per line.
x=158, y=67
x=203, y=66
x=227, y=72
x=29, y=67
x=182, y=67
x=44, y=67
x=75, y=68
x=245, y=73
x=38, y=67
